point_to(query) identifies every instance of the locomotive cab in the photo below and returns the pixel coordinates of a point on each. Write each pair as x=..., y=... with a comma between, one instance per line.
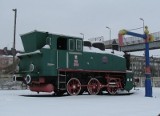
x=67, y=48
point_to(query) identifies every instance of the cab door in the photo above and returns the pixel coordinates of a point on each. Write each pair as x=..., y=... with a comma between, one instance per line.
x=61, y=52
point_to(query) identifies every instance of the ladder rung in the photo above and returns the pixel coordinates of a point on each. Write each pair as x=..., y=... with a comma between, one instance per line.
x=62, y=75
x=63, y=88
x=62, y=82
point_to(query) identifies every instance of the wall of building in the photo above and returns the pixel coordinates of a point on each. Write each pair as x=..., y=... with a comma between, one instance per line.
x=5, y=61
x=137, y=65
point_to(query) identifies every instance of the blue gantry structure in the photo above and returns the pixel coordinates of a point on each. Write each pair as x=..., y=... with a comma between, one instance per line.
x=147, y=38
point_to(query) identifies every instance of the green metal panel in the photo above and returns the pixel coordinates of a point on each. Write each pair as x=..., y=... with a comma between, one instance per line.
x=45, y=63
x=129, y=81
x=62, y=58
x=49, y=63
x=25, y=62
x=75, y=60
x=33, y=41
x=96, y=61
x=53, y=41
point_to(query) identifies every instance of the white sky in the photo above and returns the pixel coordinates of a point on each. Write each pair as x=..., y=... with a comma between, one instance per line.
x=73, y=17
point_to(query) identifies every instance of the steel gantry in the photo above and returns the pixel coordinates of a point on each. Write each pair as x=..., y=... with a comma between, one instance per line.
x=147, y=37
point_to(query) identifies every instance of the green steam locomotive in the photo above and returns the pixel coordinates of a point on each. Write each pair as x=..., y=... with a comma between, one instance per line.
x=58, y=63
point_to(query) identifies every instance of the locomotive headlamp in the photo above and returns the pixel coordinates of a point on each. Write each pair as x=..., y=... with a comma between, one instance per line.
x=28, y=79
x=31, y=67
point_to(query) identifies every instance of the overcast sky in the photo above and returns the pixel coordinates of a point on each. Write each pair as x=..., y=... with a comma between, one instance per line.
x=72, y=17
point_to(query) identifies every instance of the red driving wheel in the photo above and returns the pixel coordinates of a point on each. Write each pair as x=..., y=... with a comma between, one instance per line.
x=93, y=86
x=73, y=86
x=112, y=88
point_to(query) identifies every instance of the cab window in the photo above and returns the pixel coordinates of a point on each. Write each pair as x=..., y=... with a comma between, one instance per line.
x=71, y=44
x=62, y=43
x=79, y=45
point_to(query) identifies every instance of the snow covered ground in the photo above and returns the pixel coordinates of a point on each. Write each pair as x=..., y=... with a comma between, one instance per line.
x=27, y=103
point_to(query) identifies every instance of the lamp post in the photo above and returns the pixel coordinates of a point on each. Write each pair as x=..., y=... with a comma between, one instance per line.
x=14, y=35
x=82, y=35
x=143, y=23
x=109, y=35
x=158, y=66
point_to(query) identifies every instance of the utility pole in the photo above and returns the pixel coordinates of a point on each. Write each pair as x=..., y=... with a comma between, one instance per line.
x=82, y=35
x=110, y=42
x=143, y=23
x=14, y=35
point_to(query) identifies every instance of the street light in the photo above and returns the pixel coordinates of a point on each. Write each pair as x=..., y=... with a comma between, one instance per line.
x=143, y=22
x=109, y=34
x=14, y=36
x=82, y=35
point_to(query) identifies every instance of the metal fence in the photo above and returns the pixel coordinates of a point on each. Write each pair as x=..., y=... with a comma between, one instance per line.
x=141, y=83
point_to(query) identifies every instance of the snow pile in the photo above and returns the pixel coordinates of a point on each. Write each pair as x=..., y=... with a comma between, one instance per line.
x=30, y=53
x=108, y=51
x=46, y=46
